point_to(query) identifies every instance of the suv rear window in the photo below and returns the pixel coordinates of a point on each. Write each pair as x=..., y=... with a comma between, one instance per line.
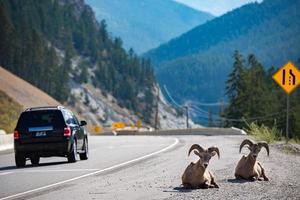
x=41, y=118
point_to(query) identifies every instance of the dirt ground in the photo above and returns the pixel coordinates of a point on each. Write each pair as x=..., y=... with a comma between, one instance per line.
x=160, y=177
x=23, y=92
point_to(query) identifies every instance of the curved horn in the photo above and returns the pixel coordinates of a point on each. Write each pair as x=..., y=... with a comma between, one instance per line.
x=196, y=146
x=214, y=149
x=246, y=141
x=264, y=144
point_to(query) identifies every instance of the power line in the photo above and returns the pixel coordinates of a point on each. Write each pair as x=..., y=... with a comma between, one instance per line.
x=208, y=104
x=196, y=109
x=170, y=97
x=179, y=106
x=261, y=118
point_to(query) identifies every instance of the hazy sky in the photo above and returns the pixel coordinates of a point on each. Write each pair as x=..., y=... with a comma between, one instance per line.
x=216, y=7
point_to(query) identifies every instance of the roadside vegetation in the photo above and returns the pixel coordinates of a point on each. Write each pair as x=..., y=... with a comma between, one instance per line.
x=257, y=103
x=9, y=113
x=264, y=133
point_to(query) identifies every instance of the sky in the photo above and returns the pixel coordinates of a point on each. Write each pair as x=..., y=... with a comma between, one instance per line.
x=216, y=7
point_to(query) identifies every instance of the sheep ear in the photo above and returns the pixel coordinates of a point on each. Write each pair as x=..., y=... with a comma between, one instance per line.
x=213, y=153
x=249, y=148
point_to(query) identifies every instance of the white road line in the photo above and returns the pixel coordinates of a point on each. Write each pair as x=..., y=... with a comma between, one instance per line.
x=56, y=170
x=5, y=173
x=96, y=172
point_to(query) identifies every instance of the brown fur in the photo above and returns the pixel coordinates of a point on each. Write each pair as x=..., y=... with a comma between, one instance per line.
x=248, y=167
x=196, y=175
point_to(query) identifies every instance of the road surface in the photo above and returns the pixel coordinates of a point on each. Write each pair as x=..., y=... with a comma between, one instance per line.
x=147, y=167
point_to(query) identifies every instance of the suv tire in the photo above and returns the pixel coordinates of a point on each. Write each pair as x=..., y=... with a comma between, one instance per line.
x=72, y=156
x=20, y=160
x=85, y=155
x=35, y=160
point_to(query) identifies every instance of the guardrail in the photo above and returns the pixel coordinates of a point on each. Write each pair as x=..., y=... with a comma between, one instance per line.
x=198, y=131
x=6, y=142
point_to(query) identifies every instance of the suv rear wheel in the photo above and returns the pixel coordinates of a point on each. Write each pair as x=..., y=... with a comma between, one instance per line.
x=72, y=156
x=85, y=155
x=20, y=160
x=35, y=160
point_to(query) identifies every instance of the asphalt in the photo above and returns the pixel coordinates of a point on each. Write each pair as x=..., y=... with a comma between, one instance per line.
x=104, y=152
x=148, y=167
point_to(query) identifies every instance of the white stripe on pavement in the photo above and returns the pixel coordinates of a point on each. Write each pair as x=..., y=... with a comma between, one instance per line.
x=56, y=170
x=5, y=173
x=176, y=141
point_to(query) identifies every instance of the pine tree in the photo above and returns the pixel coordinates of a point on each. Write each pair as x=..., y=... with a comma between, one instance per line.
x=83, y=77
x=234, y=90
x=254, y=90
x=33, y=34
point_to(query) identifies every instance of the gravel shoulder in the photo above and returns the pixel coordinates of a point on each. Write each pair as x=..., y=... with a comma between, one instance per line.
x=160, y=176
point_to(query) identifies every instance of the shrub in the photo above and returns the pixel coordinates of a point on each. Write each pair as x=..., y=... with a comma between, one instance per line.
x=264, y=133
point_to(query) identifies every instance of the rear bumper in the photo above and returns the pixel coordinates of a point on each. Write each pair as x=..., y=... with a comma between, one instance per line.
x=44, y=149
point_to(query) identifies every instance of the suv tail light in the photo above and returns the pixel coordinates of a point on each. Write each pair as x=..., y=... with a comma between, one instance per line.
x=16, y=135
x=67, y=131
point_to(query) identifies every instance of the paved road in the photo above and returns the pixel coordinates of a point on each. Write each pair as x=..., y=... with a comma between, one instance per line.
x=105, y=152
x=155, y=177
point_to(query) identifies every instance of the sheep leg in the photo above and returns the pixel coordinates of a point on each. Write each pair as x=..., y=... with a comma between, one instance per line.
x=213, y=182
x=253, y=178
x=263, y=172
x=214, y=185
x=187, y=186
x=238, y=176
x=205, y=185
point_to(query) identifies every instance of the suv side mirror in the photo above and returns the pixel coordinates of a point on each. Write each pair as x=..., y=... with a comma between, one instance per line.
x=83, y=123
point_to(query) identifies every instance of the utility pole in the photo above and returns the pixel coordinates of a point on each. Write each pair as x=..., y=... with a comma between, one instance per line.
x=156, y=112
x=187, y=116
x=222, y=113
x=287, y=117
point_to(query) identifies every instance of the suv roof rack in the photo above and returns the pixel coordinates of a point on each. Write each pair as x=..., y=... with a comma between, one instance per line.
x=44, y=107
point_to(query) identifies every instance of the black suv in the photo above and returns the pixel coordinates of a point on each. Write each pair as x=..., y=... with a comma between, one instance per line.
x=49, y=131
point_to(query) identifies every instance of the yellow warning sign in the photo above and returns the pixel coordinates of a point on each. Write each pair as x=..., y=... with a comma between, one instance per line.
x=139, y=124
x=98, y=129
x=288, y=77
x=118, y=125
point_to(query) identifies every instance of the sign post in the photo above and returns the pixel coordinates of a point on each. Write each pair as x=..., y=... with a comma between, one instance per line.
x=288, y=78
x=287, y=116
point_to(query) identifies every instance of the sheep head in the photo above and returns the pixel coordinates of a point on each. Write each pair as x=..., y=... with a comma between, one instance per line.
x=254, y=147
x=204, y=154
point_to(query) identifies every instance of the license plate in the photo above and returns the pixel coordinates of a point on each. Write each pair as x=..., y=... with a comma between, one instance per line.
x=41, y=134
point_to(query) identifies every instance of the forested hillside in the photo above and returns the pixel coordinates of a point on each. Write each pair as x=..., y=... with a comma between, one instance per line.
x=201, y=58
x=40, y=39
x=254, y=97
x=145, y=24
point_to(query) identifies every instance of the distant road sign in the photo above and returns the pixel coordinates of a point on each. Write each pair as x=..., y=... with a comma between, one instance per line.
x=98, y=129
x=118, y=125
x=139, y=124
x=288, y=77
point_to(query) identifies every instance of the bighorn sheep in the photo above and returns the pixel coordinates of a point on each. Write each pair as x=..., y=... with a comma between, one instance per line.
x=196, y=175
x=248, y=167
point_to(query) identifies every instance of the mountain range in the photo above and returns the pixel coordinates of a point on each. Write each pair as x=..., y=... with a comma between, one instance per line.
x=59, y=46
x=201, y=59
x=145, y=24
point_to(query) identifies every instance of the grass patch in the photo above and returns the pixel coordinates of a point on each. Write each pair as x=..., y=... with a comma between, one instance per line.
x=9, y=112
x=295, y=141
x=263, y=133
